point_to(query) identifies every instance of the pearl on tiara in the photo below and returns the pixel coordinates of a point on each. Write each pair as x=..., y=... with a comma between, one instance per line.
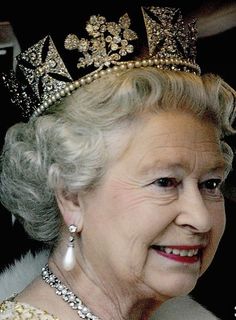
x=176, y=65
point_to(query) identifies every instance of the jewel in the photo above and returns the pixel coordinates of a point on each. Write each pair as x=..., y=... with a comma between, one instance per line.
x=67, y=295
x=170, y=42
x=69, y=259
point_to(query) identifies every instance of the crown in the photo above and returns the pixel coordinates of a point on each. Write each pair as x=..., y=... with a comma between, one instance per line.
x=43, y=79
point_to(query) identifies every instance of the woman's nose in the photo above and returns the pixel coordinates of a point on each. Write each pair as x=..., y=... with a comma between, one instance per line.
x=193, y=211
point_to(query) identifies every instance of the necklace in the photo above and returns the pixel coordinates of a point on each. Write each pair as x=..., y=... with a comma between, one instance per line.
x=68, y=296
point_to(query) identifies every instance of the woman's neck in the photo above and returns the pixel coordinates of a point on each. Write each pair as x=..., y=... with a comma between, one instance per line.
x=106, y=299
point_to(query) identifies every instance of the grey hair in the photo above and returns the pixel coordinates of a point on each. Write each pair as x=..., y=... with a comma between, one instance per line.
x=69, y=148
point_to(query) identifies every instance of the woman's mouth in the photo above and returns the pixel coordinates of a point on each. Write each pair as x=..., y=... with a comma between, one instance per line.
x=184, y=254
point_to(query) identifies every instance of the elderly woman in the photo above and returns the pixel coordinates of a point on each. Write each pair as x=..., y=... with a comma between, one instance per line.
x=121, y=178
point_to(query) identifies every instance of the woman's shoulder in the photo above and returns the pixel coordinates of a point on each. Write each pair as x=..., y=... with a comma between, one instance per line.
x=13, y=310
x=10, y=309
x=15, y=277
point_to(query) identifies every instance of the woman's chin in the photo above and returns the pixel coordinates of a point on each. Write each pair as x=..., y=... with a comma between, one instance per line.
x=181, y=289
x=174, y=287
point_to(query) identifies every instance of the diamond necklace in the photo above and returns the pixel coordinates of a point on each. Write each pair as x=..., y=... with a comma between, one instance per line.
x=68, y=296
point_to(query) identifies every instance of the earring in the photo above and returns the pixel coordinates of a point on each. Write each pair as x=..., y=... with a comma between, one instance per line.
x=69, y=258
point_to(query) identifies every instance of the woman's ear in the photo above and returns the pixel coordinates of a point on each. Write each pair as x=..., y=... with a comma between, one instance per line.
x=70, y=209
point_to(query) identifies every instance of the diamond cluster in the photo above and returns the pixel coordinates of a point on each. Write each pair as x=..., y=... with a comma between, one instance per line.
x=170, y=45
x=68, y=296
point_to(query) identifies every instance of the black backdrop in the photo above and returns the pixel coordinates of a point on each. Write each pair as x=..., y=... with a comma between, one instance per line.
x=216, y=54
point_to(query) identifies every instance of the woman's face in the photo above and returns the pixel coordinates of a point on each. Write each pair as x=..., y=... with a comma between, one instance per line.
x=156, y=219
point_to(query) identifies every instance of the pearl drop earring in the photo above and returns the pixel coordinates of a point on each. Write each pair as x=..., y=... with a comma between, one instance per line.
x=69, y=258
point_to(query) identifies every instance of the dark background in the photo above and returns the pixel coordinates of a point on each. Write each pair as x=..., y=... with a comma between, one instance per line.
x=216, y=53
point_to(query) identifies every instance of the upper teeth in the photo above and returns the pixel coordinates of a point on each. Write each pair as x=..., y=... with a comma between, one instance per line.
x=182, y=253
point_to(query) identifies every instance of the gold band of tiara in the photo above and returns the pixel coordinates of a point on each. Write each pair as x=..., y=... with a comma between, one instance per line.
x=171, y=44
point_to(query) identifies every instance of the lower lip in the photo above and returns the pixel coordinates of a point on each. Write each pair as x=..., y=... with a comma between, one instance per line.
x=190, y=260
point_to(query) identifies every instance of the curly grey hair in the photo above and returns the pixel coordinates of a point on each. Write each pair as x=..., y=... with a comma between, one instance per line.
x=69, y=148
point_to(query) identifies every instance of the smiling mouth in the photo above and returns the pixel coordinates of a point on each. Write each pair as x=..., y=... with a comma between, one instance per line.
x=184, y=254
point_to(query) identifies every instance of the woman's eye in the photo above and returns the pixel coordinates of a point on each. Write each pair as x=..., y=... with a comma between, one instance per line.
x=166, y=182
x=210, y=185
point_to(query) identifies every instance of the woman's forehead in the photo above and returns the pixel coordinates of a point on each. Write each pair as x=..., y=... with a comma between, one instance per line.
x=177, y=130
x=176, y=140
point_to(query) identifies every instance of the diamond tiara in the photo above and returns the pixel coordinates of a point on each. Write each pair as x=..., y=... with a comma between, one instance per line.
x=43, y=79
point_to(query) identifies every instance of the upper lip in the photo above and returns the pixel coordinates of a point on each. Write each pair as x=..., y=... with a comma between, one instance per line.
x=183, y=246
